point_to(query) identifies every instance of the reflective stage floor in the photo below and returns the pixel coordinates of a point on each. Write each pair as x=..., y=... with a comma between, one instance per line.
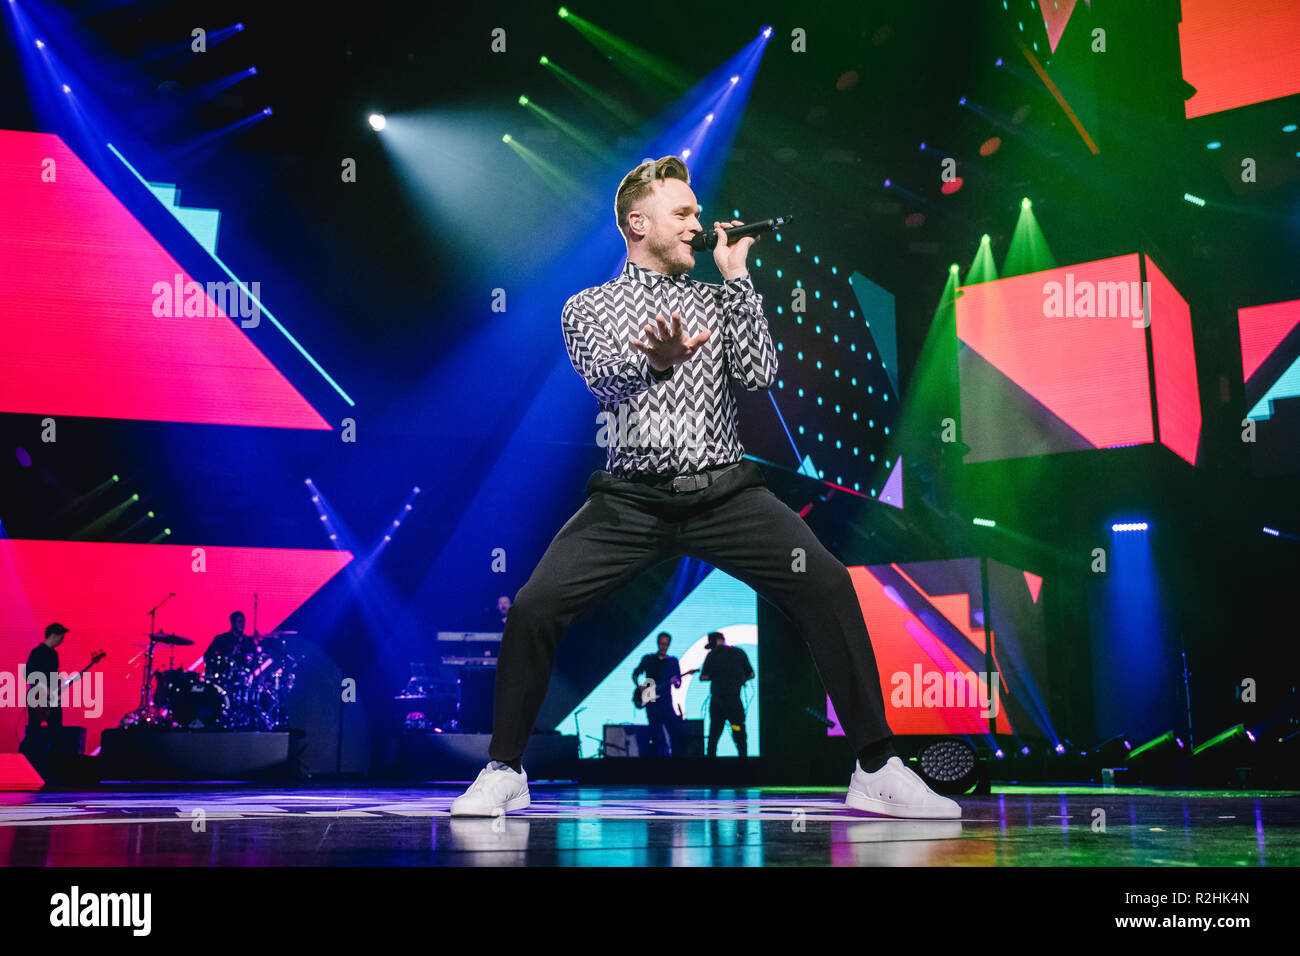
x=570, y=825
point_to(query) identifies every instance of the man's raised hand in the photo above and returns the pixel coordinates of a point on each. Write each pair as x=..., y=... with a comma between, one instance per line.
x=668, y=345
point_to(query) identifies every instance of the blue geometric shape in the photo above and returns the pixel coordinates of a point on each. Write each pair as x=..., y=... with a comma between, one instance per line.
x=1287, y=386
x=808, y=468
x=878, y=311
x=200, y=223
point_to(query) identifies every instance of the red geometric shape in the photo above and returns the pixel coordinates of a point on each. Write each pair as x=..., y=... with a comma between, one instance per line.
x=1035, y=584
x=17, y=773
x=1091, y=372
x=103, y=593
x=902, y=644
x=1055, y=18
x=1238, y=53
x=1262, y=329
x=1178, y=398
x=78, y=334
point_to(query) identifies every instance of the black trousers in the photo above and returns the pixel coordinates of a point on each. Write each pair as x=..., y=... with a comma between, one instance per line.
x=43, y=725
x=724, y=713
x=664, y=724
x=735, y=524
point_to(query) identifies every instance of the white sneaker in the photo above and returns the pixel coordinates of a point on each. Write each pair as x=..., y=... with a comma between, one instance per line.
x=495, y=791
x=896, y=791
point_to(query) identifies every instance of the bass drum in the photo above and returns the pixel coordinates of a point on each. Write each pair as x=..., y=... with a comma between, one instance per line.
x=171, y=686
x=201, y=706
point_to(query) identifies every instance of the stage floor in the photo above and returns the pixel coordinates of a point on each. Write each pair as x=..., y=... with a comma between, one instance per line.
x=570, y=825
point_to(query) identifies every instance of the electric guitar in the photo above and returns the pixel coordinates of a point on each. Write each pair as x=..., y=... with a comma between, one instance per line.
x=42, y=713
x=647, y=694
x=95, y=658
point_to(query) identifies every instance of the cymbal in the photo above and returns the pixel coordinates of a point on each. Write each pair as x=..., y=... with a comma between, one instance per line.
x=277, y=634
x=173, y=639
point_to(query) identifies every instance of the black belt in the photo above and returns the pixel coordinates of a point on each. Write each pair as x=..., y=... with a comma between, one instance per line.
x=684, y=484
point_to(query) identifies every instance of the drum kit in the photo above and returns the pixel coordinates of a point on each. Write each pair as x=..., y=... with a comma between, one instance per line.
x=245, y=689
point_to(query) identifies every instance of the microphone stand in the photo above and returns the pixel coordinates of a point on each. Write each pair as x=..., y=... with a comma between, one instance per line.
x=146, y=692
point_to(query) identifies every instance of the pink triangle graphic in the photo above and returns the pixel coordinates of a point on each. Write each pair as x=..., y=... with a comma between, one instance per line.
x=1262, y=328
x=1035, y=583
x=1056, y=18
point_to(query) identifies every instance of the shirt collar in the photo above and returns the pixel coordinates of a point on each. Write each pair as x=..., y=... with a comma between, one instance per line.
x=650, y=278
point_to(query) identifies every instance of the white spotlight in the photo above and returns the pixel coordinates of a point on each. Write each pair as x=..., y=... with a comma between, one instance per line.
x=377, y=121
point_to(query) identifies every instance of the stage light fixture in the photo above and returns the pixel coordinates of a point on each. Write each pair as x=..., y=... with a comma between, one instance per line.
x=377, y=121
x=523, y=101
x=1155, y=762
x=1129, y=526
x=949, y=765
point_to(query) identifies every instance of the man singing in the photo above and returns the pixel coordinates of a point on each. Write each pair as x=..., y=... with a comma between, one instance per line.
x=662, y=352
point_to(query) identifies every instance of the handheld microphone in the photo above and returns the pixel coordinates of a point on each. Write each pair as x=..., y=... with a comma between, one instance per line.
x=702, y=241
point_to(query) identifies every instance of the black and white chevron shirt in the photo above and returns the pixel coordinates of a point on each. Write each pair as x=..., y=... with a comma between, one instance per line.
x=684, y=420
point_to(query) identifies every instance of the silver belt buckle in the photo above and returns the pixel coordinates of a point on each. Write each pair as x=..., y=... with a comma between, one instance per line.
x=683, y=484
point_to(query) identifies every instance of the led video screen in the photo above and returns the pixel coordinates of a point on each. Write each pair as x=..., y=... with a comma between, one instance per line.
x=926, y=621
x=1236, y=54
x=98, y=320
x=1270, y=369
x=1056, y=361
x=103, y=592
x=718, y=603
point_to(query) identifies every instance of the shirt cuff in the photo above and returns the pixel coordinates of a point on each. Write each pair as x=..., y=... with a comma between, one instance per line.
x=744, y=284
x=658, y=376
